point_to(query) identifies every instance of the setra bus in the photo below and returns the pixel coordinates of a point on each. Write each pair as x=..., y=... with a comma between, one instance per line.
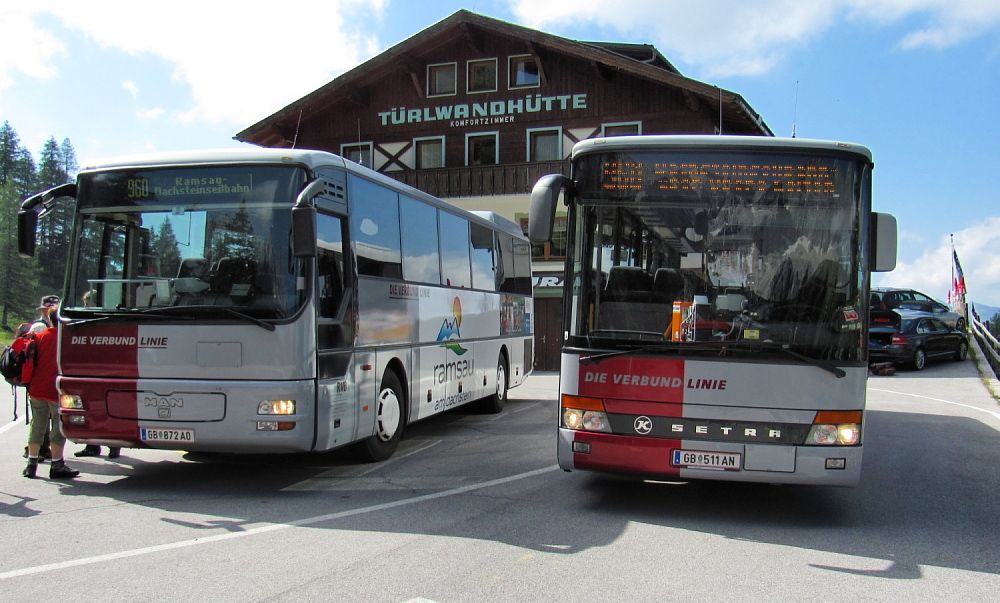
x=716, y=306
x=275, y=300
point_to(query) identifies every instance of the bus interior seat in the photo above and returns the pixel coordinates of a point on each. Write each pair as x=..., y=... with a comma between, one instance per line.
x=191, y=276
x=668, y=285
x=234, y=276
x=628, y=283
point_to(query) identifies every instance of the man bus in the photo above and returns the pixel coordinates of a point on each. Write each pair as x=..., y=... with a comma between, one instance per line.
x=716, y=306
x=278, y=301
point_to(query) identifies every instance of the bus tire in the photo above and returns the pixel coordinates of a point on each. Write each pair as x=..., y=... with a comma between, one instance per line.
x=390, y=418
x=494, y=402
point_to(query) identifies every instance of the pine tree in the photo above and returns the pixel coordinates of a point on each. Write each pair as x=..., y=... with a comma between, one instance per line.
x=54, y=229
x=164, y=246
x=17, y=175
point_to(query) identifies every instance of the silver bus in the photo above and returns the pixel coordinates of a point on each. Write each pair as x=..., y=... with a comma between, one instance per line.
x=274, y=300
x=716, y=306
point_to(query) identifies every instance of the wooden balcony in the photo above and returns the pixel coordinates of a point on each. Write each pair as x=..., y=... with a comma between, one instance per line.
x=481, y=180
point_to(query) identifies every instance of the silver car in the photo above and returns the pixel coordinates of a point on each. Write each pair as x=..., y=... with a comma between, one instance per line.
x=888, y=298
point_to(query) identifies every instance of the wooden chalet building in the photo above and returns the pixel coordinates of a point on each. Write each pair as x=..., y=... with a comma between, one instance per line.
x=474, y=110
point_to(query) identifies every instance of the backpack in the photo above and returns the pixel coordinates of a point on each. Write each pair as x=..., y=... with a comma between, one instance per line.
x=17, y=359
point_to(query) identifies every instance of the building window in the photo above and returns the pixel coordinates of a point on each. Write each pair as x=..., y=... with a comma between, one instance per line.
x=429, y=152
x=482, y=76
x=545, y=144
x=555, y=248
x=358, y=153
x=482, y=149
x=628, y=128
x=523, y=72
x=441, y=79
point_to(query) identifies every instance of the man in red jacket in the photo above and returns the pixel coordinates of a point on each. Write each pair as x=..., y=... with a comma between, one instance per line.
x=45, y=406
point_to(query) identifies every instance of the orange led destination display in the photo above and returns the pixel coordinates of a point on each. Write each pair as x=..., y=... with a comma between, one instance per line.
x=718, y=177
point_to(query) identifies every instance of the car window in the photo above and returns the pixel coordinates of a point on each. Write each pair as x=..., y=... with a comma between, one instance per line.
x=920, y=296
x=924, y=326
x=938, y=325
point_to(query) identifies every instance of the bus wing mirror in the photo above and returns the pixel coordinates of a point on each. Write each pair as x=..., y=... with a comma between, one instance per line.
x=542, y=212
x=32, y=208
x=884, y=246
x=27, y=227
x=304, y=220
x=304, y=231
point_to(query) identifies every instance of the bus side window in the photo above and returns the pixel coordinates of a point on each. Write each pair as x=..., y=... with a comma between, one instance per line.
x=329, y=265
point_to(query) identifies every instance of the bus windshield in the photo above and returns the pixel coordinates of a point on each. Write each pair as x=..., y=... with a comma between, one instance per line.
x=206, y=237
x=751, y=251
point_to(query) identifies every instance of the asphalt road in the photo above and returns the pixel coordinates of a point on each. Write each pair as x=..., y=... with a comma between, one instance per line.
x=473, y=508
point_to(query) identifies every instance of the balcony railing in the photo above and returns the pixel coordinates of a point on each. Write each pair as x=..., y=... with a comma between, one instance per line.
x=481, y=180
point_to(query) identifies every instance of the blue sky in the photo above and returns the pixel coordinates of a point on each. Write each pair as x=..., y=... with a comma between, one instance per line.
x=917, y=81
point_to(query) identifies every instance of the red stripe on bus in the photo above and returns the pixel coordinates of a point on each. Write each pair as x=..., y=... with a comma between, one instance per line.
x=624, y=454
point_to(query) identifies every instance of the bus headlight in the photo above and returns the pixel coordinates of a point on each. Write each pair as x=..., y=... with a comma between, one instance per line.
x=845, y=434
x=585, y=420
x=835, y=428
x=276, y=407
x=70, y=401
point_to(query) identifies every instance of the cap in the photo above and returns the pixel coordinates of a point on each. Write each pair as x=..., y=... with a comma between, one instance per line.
x=48, y=300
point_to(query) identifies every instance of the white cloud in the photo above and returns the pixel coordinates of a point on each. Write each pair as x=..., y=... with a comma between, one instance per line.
x=720, y=38
x=931, y=272
x=240, y=61
x=148, y=114
x=25, y=47
x=131, y=88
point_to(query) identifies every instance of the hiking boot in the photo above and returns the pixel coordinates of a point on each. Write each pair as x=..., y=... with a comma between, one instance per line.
x=59, y=470
x=114, y=453
x=30, y=469
x=89, y=450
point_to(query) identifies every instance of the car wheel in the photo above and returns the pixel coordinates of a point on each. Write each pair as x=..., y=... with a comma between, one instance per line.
x=960, y=324
x=919, y=359
x=962, y=352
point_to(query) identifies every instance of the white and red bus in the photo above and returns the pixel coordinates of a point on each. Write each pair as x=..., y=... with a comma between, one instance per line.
x=278, y=301
x=716, y=306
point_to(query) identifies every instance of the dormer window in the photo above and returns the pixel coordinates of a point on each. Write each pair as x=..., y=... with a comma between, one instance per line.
x=482, y=76
x=524, y=72
x=442, y=79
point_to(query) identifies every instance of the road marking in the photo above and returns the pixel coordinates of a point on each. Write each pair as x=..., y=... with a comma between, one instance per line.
x=512, y=411
x=9, y=426
x=170, y=546
x=995, y=415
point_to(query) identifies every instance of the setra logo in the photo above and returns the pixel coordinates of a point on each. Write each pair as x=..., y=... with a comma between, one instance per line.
x=450, y=328
x=643, y=425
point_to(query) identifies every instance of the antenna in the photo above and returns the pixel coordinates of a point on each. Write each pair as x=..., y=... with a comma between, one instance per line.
x=795, y=109
x=720, y=111
x=295, y=139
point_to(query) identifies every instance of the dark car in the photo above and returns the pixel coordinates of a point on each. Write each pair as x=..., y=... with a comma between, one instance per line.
x=889, y=298
x=913, y=338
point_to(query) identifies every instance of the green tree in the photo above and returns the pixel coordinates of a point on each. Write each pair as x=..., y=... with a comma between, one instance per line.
x=54, y=229
x=19, y=275
x=164, y=246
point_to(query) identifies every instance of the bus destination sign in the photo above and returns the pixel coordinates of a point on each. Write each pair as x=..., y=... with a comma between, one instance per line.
x=718, y=177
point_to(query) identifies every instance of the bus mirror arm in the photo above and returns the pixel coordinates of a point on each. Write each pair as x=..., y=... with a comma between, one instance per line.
x=542, y=212
x=35, y=207
x=304, y=220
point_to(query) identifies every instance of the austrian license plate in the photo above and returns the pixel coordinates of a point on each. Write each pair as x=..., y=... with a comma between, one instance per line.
x=182, y=436
x=700, y=459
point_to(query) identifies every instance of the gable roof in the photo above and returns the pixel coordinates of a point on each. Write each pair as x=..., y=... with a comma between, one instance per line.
x=639, y=60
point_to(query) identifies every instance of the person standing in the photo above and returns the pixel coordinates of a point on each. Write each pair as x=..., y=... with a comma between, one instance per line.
x=49, y=303
x=43, y=397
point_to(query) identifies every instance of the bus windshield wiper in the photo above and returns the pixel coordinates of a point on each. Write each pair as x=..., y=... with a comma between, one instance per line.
x=176, y=310
x=679, y=348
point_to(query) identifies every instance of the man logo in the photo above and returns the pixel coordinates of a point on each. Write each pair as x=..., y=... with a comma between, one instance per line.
x=643, y=425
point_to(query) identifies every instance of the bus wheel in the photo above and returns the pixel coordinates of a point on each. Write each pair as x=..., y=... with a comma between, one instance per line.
x=389, y=421
x=494, y=402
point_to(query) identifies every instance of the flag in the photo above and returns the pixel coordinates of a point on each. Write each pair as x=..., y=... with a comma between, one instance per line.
x=957, y=293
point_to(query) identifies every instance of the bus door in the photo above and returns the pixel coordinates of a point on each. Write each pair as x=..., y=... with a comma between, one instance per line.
x=334, y=289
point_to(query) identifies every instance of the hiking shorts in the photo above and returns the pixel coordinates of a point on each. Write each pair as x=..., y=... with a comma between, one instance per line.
x=45, y=415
